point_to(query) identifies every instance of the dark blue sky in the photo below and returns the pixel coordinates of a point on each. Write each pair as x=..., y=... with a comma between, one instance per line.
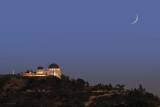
x=93, y=40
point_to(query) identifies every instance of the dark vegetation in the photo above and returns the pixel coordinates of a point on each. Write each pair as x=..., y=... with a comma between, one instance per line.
x=19, y=91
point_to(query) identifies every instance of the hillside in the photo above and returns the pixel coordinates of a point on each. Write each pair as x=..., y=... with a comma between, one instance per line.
x=19, y=91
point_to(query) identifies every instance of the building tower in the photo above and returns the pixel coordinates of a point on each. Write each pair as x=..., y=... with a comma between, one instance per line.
x=13, y=72
x=54, y=70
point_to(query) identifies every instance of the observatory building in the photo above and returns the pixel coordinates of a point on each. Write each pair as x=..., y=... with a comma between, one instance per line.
x=53, y=69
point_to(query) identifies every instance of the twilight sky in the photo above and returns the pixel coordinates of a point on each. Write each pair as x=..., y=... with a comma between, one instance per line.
x=90, y=39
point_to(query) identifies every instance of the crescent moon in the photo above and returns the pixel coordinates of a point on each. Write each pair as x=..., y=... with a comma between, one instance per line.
x=136, y=20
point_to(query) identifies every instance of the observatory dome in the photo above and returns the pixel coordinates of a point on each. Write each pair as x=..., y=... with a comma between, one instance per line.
x=53, y=66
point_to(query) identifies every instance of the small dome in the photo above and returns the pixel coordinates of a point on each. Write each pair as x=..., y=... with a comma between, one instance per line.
x=40, y=68
x=53, y=66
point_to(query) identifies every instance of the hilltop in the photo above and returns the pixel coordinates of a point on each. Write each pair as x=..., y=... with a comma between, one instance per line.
x=51, y=91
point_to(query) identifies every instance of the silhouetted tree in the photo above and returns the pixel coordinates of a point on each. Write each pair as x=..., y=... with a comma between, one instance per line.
x=80, y=83
x=110, y=86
